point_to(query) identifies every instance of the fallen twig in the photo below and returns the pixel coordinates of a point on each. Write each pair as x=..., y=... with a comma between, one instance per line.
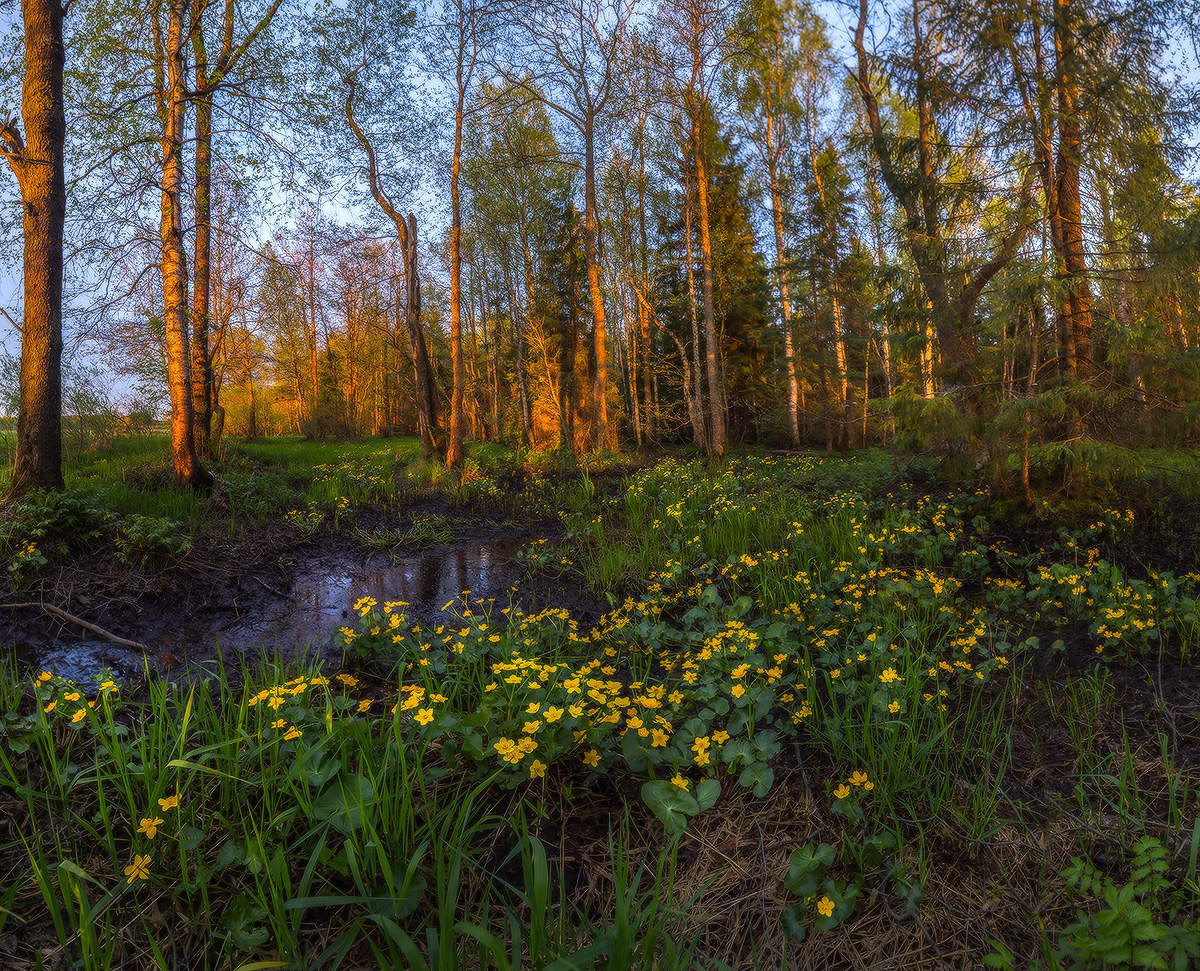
x=267, y=586
x=95, y=629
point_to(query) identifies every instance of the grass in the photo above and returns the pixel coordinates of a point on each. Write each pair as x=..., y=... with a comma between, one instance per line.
x=833, y=717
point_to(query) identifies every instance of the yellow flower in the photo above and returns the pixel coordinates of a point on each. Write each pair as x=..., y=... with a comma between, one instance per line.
x=530, y=727
x=841, y=792
x=859, y=779
x=825, y=907
x=169, y=803
x=889, y=675
x=139, y=869
x=292, y=734
x=365, y=704
x=50, y=707
x=424, y=716
x=44, y=676
x=149, y=826
x=894, y=707
x=71, y=696
x=80, y=715
x=537, y=769
x=591, y=757
x=279, y=723
x=738, y=690
x=680, y=781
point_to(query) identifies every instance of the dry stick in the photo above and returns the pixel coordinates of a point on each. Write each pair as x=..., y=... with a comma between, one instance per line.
x=267, y=586
x=59, y=612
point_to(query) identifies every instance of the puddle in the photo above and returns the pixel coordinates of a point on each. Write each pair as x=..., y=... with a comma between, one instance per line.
x=321, y=600
x=82, y=662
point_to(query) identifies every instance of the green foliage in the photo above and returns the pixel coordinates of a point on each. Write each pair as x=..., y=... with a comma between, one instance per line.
x=143, y=538
x=1135, y=924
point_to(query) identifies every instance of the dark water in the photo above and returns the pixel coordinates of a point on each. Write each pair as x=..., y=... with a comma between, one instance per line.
x=321, y=600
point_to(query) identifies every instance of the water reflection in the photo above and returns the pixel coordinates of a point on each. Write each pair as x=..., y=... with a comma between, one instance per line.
x=322, y=599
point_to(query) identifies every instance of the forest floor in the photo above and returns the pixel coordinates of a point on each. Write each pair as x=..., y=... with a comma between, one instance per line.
x=796, y=711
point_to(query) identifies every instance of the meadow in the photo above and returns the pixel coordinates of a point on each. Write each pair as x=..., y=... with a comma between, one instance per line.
x=844, y=710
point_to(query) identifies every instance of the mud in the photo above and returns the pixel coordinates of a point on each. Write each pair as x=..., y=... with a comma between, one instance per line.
x=269, y=597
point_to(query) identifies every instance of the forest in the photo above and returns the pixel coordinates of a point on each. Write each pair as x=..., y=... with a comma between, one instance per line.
x=599, y=484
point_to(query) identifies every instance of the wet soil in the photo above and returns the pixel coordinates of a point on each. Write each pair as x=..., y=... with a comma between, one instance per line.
x=275, y=593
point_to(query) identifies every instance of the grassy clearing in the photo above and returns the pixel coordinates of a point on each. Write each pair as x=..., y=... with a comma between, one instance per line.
x=834, y=716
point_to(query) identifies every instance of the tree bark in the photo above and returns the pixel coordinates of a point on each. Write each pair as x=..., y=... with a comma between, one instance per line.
x=1077, y=294
x=591, y=252
x=785, y=306
x=202, y=375
x=406, y=232
x=699, y=433
x=174, y=97
x=717, y=443
x=37, y=162
x=454, y=450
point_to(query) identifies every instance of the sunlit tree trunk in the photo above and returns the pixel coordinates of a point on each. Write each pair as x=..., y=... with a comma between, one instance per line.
x=173, y=107
x=36, y=159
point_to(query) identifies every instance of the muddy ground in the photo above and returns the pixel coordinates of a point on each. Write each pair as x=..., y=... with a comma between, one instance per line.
x=273, y=591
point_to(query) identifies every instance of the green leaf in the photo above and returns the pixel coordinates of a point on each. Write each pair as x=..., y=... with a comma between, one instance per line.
x=707, y=793
x=806, y=868
x=758, y=777
x=342, y=805
x=793, y=922
x=670, y=804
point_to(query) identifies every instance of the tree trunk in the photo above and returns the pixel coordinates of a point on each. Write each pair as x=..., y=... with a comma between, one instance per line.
x=1077, y=294
x=591, y=251
x=717, y=443
x=311, y=328
x=454, y=450
x=643, y=316
x=38, y=167
x=789, y=351
x=568, y=394
x=699, y=433
x=188, y=470
x=202, y=377
x=422, y=370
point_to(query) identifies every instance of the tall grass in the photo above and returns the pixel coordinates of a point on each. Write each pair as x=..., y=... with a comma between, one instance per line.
x=346, y=844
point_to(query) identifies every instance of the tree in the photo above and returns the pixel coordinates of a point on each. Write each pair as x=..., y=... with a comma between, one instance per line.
x=171, y=99
x=695, y=32
x=574, y=49
x=463, y=32
x=36, y=159
x=209, y=79
x=361, y=45
x=915, y=172
x=779, y=49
